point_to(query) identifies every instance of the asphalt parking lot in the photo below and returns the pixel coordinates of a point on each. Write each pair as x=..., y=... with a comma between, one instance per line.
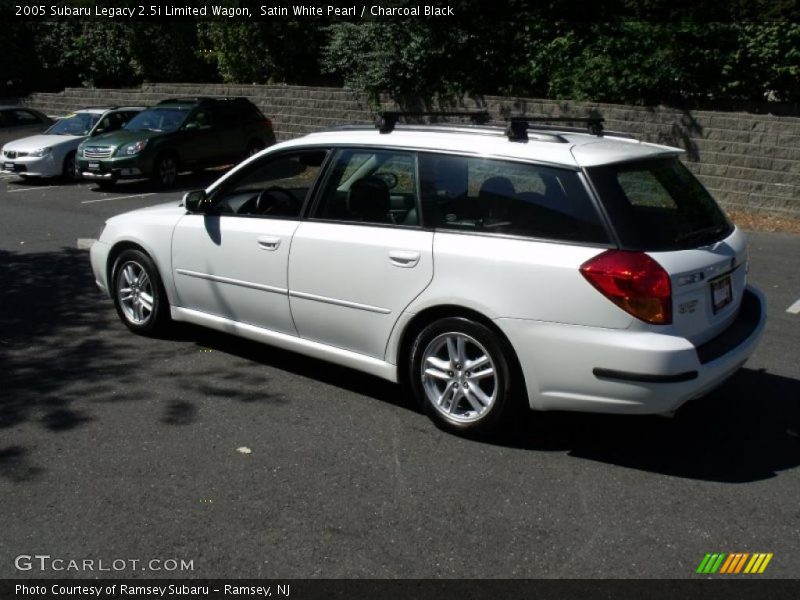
x=114, y=446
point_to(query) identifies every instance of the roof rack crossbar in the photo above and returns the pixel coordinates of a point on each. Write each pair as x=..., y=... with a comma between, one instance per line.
x=518, y=126
x=388, y=119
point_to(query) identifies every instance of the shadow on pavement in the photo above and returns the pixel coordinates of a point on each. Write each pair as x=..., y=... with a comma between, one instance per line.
x=63, y=351
x=746, y=430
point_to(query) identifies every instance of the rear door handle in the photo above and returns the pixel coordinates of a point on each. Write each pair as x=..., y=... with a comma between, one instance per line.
x=269, y=243
x=403, y=258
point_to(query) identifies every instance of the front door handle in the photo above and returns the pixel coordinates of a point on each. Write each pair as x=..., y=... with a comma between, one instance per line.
x=403, y=258
x=269, y=243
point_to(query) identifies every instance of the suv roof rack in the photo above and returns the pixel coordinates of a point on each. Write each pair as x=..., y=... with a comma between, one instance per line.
x=388, y=119
x=199, y=99
x=518, y=126
x=183, y=100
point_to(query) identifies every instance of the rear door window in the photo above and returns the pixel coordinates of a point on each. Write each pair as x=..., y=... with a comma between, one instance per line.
x=371, y=186
x=658, y=205
x=504, y=197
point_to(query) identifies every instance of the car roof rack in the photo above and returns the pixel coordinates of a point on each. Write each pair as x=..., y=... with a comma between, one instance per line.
x=184, y=100
x=387, y=119
x=518, y=126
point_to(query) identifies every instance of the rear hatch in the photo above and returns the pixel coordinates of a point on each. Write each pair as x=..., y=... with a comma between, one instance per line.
x=658, y=206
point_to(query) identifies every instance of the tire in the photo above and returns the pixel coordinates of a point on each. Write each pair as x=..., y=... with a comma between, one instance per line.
x=69, y=170
x=443, y=377
x=141, y=302
x=165, y=170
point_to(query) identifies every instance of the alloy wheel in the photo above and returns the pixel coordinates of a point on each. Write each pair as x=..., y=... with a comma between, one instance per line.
x=135, y=293
x=459, y=377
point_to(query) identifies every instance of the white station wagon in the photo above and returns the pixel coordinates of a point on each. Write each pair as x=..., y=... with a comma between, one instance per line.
x=485, y=269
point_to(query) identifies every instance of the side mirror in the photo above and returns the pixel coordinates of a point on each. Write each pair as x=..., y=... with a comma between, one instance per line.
x=189, y=126
x=98, y=131
x=195, y=201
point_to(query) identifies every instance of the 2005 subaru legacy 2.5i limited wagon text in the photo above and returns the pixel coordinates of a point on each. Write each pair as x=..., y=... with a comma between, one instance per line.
x=484, y=268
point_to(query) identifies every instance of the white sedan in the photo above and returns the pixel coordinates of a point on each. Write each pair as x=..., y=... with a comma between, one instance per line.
x=52, y=154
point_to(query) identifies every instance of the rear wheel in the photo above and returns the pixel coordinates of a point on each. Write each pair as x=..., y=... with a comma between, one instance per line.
x=462, y=375
x=139, y=295
x=165, y=170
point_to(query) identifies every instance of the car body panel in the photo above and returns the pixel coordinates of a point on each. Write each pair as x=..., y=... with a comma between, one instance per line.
x=243, y=279
x=349, y=283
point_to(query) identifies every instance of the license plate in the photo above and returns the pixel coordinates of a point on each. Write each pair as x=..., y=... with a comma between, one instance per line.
x=721, y=293
x=93, y=166
x=8, y=166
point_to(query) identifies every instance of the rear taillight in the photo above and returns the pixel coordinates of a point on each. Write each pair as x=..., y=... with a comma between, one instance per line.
x=267, y=122
x=634, y=282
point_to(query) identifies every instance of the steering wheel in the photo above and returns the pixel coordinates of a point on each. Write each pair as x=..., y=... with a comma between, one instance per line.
x=264, y=206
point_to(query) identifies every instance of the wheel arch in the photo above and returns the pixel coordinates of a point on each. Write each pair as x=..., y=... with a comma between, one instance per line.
x=434, y=313
x=127, y=244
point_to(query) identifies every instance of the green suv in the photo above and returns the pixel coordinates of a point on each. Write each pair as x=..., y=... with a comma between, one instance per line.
x=179, y=134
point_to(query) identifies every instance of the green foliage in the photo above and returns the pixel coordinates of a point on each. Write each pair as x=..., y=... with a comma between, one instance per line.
x=522, y=51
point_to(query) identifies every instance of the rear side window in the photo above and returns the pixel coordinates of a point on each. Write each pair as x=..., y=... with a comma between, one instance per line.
x=494, y=196
x=658, y=205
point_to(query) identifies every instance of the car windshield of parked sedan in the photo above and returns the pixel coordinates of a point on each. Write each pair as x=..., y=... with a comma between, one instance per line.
x=74, y=124
x=158, y=119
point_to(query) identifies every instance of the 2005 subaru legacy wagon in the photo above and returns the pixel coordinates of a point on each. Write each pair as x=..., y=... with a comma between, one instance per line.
x=483, y=268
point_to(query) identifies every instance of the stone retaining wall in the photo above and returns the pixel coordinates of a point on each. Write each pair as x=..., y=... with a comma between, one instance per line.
x=748, y=161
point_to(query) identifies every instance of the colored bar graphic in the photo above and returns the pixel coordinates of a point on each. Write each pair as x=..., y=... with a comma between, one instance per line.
x=734, y=563
x=718, y=563
x=703, y=563
x=754, y=562
x=765, y=563
x=727, y=564
x=740, y=564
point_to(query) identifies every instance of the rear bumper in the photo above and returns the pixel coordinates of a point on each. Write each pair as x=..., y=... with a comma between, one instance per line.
x=568, y=367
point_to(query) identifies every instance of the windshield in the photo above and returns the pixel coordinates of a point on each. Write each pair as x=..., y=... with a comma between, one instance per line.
x=157, y=119
x=74, y=124
x=658, y=205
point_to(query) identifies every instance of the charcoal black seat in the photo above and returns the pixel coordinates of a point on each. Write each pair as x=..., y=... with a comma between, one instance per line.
x=369, y=201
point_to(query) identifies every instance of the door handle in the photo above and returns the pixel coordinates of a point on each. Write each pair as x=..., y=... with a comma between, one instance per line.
x=269, y=243
x=404, y=259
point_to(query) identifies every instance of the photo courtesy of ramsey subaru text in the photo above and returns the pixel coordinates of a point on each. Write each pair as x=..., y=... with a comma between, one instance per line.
x=52, y=154
x=486, y=269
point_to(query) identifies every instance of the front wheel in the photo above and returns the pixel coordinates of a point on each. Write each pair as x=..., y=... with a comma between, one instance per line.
x=69, y=170
x=165, y=171
x=462, y=375
x=139, y=295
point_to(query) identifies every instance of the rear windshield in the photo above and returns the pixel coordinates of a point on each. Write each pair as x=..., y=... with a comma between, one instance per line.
x=658, y=205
